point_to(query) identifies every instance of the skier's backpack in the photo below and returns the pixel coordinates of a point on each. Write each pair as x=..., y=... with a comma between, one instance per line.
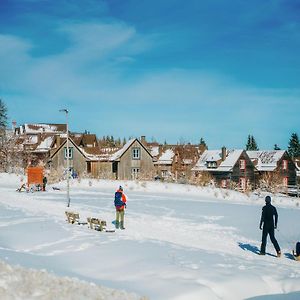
x=118, y=199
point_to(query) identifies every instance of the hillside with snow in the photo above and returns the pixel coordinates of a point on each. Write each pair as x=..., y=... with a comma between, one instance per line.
x=181, y=242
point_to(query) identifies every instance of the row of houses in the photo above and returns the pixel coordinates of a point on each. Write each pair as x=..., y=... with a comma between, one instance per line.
x=138, y=159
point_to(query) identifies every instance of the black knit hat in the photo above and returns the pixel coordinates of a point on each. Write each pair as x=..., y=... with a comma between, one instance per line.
x=268, y=199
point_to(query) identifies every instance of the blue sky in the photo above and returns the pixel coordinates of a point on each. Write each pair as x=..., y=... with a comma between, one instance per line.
x=170, y=70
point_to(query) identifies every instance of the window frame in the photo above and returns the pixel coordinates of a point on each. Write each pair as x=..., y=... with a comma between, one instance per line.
x=242, y=183
x=136, y=153
x=70, y=153
x=242, y=164
x=285, y=164
x=135, y=173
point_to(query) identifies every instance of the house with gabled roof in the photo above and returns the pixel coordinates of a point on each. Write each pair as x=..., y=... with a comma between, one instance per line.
x=163, y=164
x=132, y=161
x=34, y=141
x=276, y=165
x=84, y=153
x=226, y=167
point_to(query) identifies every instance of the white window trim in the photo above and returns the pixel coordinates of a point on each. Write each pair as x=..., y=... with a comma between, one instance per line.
x=242, y=164
x=70, y=152
x=242, y=183
x=136, y=153
x=135, y=173
x=284, y=164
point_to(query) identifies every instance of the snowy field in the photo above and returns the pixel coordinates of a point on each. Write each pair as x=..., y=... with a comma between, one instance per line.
x=181, y=242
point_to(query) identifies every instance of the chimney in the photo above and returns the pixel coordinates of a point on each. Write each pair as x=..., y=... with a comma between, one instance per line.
x=14, y=125
x=143, y=140
x=223, y=153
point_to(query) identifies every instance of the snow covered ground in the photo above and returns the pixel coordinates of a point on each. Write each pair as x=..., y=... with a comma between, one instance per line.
x=181, y=242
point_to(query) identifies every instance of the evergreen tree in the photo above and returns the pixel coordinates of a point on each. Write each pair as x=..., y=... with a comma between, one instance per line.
x=202, y=142
x=294, y=146
x=276, y=147
x=3, y=115
x=248, y=145
x=251, y=143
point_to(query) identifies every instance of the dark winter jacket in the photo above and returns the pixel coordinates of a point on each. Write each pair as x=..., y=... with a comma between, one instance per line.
x=267, y=216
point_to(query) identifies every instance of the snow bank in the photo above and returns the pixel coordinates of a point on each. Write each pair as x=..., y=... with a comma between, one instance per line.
x=20, y=283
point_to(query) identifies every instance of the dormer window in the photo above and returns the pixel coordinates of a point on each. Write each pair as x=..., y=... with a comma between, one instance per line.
x=211, y=164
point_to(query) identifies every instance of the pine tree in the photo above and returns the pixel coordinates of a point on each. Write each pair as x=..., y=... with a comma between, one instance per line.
x=251, y=143
x=3, y=115
x=294, y=146
x=248, y=145
x=202, y=142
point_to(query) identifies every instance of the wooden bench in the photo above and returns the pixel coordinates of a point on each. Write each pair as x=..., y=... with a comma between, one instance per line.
x=96, y=224
x=73, y=217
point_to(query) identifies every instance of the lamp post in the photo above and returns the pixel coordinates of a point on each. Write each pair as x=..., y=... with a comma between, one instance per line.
x=67, y=156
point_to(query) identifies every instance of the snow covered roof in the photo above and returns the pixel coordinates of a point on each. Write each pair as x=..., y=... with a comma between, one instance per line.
x=45, y=145
x=119, y=153
x=266, y=160
x=42, y=128
x=187, y=161
x=232, y=157
x=166, y=158
x=154, y=150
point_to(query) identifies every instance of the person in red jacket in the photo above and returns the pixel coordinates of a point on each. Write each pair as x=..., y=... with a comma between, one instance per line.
x=120, y=204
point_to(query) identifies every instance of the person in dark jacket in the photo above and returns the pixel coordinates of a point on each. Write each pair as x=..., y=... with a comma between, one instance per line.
x=268, y=223
x=44, y=183
x=297, y=253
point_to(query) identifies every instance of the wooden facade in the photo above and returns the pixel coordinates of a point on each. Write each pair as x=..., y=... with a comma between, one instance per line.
x=231, y=168
x=133, y=161
x=78, y=162
x=274, y=167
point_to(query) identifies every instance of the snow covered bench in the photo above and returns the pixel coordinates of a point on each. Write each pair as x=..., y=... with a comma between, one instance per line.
x=96, y=224
x=73, y=217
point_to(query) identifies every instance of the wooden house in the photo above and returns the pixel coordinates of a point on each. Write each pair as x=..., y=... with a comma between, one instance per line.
x=227, y=168
x=132, y=161
x=164, y=163
x=275, y=166
x=84, y=154
x=34, y=141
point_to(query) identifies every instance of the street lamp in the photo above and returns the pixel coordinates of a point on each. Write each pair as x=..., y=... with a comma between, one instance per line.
x=68, y=154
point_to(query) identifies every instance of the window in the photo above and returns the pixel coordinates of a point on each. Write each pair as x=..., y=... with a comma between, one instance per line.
x=136, y=153
x=164, y=173
x=224, y=183
x=285, y=181
x=70, y=153
x=243, y=183
x=135, y=173
x=284, y=164
x=211, y=164
x=242, y=164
